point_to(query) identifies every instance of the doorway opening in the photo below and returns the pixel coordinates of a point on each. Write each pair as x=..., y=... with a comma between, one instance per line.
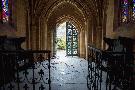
x=66, y=40
x=61, y=40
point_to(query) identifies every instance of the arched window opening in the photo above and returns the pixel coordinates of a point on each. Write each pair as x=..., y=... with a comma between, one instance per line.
x=127, y=11
x=6, y=8
x=5, y=11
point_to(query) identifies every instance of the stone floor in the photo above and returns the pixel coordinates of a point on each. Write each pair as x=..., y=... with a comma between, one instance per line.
x=69, y=73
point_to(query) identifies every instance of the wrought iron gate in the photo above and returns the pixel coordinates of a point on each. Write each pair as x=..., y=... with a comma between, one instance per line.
x=25, y=70
x=71, y=40
x=110, y=70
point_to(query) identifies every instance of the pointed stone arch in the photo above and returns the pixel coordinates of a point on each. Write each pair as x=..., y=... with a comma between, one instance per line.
x=71, y=19
x=66, y=11
x=83, y=14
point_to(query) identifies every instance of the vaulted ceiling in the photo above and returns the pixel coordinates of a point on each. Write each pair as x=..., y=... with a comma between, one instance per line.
x=42, y=7
x=79, y=10
x=88, y=7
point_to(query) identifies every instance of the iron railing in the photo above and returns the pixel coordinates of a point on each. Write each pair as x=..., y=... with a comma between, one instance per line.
x=110, y=70
x=30, y=70
x=25, y=70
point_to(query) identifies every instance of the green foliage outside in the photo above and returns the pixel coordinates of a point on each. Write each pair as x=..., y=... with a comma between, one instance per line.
x=61, y=43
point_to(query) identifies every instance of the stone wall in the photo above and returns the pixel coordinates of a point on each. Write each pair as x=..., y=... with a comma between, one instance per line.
x=127, y=30
x=110, y=17
x=19, y=18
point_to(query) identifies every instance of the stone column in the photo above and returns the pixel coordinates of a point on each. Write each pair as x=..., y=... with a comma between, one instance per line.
x=33, y=37
x=82, y=43
x=86, y=39
x=94, y=31
x=88, y=36
x=44, y=36
x=28, y=31
x=37, y=34
x=40, y=33
x=49, y=40
x=54, y=42
x=99, y=37
x=90, y=31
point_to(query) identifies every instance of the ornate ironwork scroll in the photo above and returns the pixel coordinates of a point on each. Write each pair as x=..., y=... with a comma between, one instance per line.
x=94, y=79
x=110, y=70
x=71, y=40
x=25, y=70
